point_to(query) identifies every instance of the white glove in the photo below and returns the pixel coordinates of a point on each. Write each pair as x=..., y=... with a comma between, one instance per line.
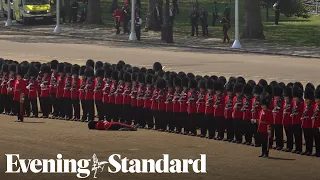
x=253, y=121
x=41, y=85
x=9, y=89
x=319, y=129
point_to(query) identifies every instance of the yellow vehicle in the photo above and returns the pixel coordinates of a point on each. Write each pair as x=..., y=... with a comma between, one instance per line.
x=5, y=7
x=25, y=11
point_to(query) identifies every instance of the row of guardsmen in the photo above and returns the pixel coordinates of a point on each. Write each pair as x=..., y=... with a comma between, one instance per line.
x=233, y=110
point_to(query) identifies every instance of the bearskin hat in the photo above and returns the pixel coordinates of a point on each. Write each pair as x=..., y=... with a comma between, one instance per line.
x=154, y=79
x=5, y=68
x=20, y=71
x=45, y=68
x=54, y=64
x=185, y=82
x=92, y=124
x=121, y=63
x=98, y=65
x=173, y=75
x=287, y=91
x=90, y=63
x=268, y=89
x=247, y=89
x=182, y=75
x=263, y=82
x=257, y=89
x=150, y=71
x=81, y=70
x=89, y=72
x=277, y=90
x=177, y=82
x=106, y=65
x=161, y=83
x=229, y=87
x=114, y=75
x=310, y=85
x=127, y=67
x=273, y=83
x=241, y=80
x=297, y=92
x=13, y=67
x=210, y=84
x=201, y=84
x=75, y=69
x=192, y=84
x=143, y=70
x=127, y=77
x=190, y=75
x=167, y=75
x=99, y=72
x=206, y=77
x=160, y=73
x=120, y=74
x=290, y=84
x=232, y=79
x=60, y=67
x=198, y=77
x=134, y=76
x=129, y=70
x=157, y=66
x=237, y=88
x=223, y=80
x=317, y=94
x=252, y=82
x=113, y=66
x=282, y=85
x=170, y=83
x=67, y=68
x=141, y=78
x=149, y=78
x=214, y=77
x=37, y=65
x=265, y=99
x=318, y=87
x=107, y=72
x=299, y=85
x=135, y=69
x=32, y=71
x=218, y=85
x=309, y=93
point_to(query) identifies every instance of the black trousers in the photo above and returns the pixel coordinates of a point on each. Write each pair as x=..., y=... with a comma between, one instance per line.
x=2, y=103
x=134, y=113
x=316, y=134
x=148, y=116
x=176, y=7
x=125, y=26
x=238, y=129
x=177, y=119
x=276, y=17
x=10, y=105
x=308, y=137
x=127, y=114
x=74, y=12
x=27, y=106
x=225, y=35
x=34, y=106
x=297, y=134
x=192, y=123
x=155, y=114
x=55, y=103
x=84, y=110
x=230, y=129
x=118, y=110
x=90, y=109
x=107, y=112
x=76, y=108
x=289, y=135
x=221, y=124
x=194, y=27
x=60, y=107
x=170, y=121
x=249, y=130
x=83, y=16
x=214, y=19
x=203, y=124
x=16, y=104
x=138, y=32
x=211, y=125
x=205, y=30
x=162, y=120
x=67, y=107
x=264, y=142
x=277, y=131
x=139, y=116
x=184, y=121
x=45, y=102
x=100, y=109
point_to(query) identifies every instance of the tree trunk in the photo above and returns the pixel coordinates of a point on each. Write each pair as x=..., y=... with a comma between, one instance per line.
x=94, y=12
x=150, y=23
x=253, y=28
x=267, y=14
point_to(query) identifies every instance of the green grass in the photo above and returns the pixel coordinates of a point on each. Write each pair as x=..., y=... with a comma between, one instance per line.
x=291, y=30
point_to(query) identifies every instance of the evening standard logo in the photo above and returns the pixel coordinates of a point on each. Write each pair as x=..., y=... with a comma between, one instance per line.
x=83, y=168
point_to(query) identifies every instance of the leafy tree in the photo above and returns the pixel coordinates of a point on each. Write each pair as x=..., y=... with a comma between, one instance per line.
x=293, y=8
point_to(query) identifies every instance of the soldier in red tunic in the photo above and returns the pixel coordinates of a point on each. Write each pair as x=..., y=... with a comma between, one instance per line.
x=264, y=123
x=113, y=88
x=119, y=97
x=192, y=108
x=160, y=100
x=67, y=103
x=255, y=110
x=169, y=106
x=154, y=103
x=45, y=91
x=276, y=124
x=307, y=122
x=147, y=101
x=141, y=112
x=228, y=109
x=75, y=85
x=98, y=93
x=218, y=108
x=127, y=116
x=106, y=91
x=297, y=110
x=247, y=114
x=89, y=88
x=201, y=107
x=3, y=88
x=133, y=95
x=59, y=85
x=237, y=113
x=82, y=93
x=10, y=87
x=53, y=89
x=183, y=105
x=287, y=120
x=316, y=122
x=210, y=123
x=176, y=105
x=19, y=93
x=32, y=90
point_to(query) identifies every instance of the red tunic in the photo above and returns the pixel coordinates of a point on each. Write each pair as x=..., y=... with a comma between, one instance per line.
x=175, y=101
x=90, y=84
x=133, y=96
x=4, y=84
x=161, y=99
x=183, y=102
x=192, y=102
x=113, y=89
x=219, y=104
x=98, y=90
x=277, y=111
x=19, y=88
x=140, y=95
x=45, y=82
x=316, y=116
x=82, y=93
x=147, y=97
x=297, y=111
x=75, y=88
x=127, y=94
x=169, y=104
x=119, y=94
x=11, y=83
x=32, y=89
x=67, y=87
x=307, y=114
x=228, y=109
x=201, y=106
x=287, y=109
x=59, y=86
x=256, y=108
x=53, y=83
x=209, y=103
x=237, y=106
x=106, y=92
x=154, y=102
x=265, y=117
